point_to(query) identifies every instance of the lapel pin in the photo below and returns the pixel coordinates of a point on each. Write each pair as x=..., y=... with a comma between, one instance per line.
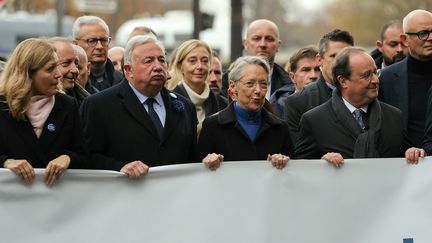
x=51, y=127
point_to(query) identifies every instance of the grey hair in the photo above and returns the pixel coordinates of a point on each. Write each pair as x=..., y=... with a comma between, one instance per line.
x=140, y=40
x=87, y=20
x=80, y=51
x=236, y=69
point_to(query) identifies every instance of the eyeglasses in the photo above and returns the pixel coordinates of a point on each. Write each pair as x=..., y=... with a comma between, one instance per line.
x=93, y=41
x=422, y=35
x=370, y=74
x=263, y=84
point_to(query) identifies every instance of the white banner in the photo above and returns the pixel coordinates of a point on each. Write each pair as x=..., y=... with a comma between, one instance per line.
x=365, y=201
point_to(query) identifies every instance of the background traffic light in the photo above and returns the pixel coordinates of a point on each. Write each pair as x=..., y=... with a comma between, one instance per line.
x=206, y=21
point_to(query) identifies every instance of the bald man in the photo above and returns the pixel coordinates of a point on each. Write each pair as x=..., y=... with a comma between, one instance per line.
x=142, y=30
x=405, y=84
x=115, y=54
x=84, y=67
x=262, y=39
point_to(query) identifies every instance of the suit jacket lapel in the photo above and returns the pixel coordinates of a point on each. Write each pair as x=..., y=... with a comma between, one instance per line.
x=172, y=116
x=266, y=122
x=227, y=116
x=137, y=111
x=343, y=115
x=180, y=89
x=324, y=91
x=54, y=124
x=400, y=80
x=278, y=78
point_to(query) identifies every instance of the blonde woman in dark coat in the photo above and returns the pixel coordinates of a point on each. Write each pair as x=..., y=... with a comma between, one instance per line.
x=40, y=126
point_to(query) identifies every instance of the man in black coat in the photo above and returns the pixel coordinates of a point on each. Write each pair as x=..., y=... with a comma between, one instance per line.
x=303, y=68
x=405, y=84
x=318, y=92
x=138, y=123
x=353, y=123
x=389, y=48
x=262, y=39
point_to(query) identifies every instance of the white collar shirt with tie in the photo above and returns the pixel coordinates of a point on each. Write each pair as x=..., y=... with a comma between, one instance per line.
x=352, y=109
x=158, y=106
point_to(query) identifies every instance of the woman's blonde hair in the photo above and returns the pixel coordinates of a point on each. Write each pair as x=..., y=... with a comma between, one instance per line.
x=183, y=50
x=16, y=81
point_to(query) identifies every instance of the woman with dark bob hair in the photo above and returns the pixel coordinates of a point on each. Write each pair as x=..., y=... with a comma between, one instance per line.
x=41, y=126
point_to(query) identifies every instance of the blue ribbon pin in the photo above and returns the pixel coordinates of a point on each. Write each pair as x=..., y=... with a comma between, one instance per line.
x=51, y=127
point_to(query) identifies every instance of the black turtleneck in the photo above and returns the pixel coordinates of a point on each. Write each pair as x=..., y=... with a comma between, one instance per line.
x=419, y=82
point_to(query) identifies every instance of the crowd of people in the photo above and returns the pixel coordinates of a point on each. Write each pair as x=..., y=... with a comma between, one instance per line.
x=75, y=103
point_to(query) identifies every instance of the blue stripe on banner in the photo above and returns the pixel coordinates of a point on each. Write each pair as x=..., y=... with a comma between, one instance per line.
x=408, y=240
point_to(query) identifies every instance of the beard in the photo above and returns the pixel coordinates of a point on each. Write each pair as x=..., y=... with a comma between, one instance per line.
x=396, y=58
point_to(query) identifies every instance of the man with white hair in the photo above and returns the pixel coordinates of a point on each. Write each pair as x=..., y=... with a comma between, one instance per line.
x=92, y=34
x=139, y=123
x=69, y=67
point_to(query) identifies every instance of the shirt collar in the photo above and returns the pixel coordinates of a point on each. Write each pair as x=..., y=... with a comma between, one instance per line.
x=353, y=108
x=142, y=98
x=331, y=86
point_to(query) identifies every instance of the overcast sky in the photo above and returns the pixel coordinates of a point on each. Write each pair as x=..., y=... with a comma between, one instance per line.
x=221, y=5
x=311, y=4
x=306, y=8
